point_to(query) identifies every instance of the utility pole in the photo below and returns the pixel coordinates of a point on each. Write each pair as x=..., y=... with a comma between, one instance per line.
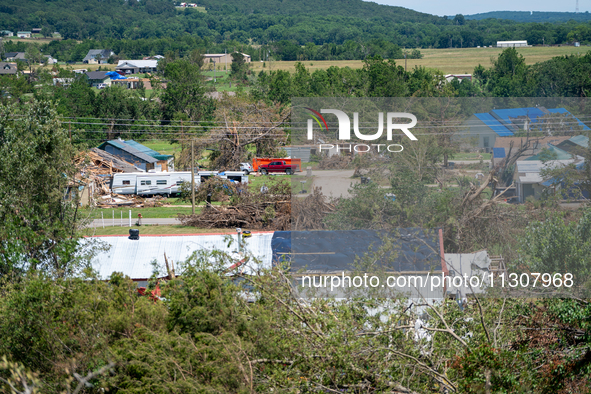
x=404, y=61
x=70, y=130
x=192, y=177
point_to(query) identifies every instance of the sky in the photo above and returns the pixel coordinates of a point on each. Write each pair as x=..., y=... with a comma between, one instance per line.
x=468, y=7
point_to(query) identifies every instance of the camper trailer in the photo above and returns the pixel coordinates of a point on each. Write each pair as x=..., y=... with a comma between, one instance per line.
x=165, y=183
x=146, y=183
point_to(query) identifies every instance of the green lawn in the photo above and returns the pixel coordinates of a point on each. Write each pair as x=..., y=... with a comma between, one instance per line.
x=296, y=183
x=255, y=182
x=148, y=213
x=162, y=146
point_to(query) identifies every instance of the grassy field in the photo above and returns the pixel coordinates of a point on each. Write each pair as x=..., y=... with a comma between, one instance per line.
x=171, y=229
x=449, y=61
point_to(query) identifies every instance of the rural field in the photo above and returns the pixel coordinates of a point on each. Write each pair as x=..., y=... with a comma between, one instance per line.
x=449, y=61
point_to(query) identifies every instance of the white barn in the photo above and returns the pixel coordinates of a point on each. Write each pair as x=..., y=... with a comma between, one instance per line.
x=509, y=44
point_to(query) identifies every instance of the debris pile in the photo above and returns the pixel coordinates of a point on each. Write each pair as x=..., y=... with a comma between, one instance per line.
x=308, y=213
x=267, y=209
x=119, y=200
x=96, y=167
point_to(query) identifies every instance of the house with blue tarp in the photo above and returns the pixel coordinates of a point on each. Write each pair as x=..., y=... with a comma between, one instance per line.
x=482, y=129
x=141, y=156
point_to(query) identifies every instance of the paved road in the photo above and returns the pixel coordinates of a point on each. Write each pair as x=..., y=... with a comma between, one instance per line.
x=117, y=222
x=335, y=183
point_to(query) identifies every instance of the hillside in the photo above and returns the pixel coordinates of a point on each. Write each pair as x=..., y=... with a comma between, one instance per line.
x=535, y=16
x=348, y=8
x=331, y=30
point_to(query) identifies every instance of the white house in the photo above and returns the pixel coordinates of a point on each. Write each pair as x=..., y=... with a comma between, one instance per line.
x=137, y=66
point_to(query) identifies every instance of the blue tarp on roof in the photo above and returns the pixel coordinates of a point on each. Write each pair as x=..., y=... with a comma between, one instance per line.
x=499, y=153
x=505, y=114
x=494, y=124
x=564, y=111
x=115, y=75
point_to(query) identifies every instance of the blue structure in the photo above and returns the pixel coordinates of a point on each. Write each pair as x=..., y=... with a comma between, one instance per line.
x=485, y=127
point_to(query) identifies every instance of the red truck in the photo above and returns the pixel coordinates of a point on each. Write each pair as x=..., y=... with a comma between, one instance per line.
x=277, y=166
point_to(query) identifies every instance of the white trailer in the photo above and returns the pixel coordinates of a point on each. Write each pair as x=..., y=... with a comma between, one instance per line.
x=165, y=183
x=145, y=183
x=234, y=176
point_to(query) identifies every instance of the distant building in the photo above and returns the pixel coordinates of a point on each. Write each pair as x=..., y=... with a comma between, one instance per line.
x=511, y=44
x=137, y=66
x=50, y=59
x=128, y=83
x=98, y=78
x=23, y=34
x=222, y=58
x=505, y=146
x=11, y=56
x=36, y=30
x=6, y=33
x=460, y=77
x=8, y=68
x=482, y=129
x=97, y=56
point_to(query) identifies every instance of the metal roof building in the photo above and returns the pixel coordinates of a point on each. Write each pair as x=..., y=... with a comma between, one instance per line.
x=135, y=258
x=138, y=154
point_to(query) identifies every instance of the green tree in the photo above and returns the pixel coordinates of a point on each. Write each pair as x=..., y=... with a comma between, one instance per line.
x=239, y=67
x=185, y=91
x=39, y=227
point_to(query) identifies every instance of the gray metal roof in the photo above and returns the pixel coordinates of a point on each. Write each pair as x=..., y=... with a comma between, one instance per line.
x=131, y=150
x=8, y=68
x=134, y=258
x=116, y=162
x=97, y=74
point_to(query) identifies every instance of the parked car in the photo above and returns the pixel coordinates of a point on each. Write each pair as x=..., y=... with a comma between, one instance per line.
x=246, y=167
x=277, y=166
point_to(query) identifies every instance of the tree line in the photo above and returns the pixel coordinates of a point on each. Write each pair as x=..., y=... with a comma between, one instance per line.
x=299, y=22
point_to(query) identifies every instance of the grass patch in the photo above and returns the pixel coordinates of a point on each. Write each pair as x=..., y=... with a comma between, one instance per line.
x=155, y=230
x=162, y=146
x=296, y=183
x=256, y=182
x=147, y=213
